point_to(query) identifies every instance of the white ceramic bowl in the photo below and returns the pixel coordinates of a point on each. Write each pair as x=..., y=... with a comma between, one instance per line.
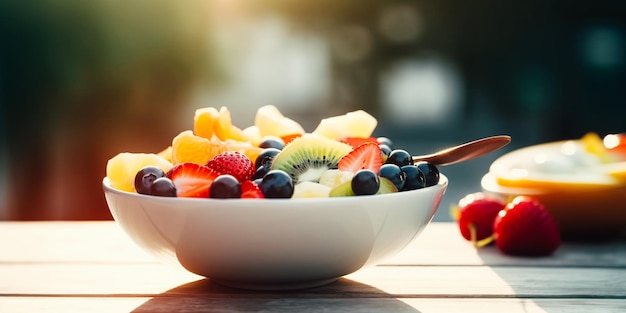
x=275, y=243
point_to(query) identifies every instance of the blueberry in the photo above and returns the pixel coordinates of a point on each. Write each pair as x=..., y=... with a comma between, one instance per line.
x=385, y=150
x=384, y=141
x=276, y=184
x=163, y=187
x=430, y=171
x=265, y=157
x=272, y=142
x=225, y=187
x=145, y=177
x=400, y=158
x=394, y=173
x=414, y=178
x=261, y=171
x=365, y=182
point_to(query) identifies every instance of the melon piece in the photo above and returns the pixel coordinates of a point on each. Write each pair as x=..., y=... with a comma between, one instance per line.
x=271, y=122
x=358, y=124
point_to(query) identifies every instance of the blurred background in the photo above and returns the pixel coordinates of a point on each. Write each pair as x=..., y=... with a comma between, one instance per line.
x=81, y=81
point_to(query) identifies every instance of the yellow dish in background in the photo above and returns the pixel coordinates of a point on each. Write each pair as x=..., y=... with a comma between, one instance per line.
x=583, y=187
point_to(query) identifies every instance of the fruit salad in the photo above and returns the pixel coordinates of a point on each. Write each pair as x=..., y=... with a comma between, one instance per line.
x=273, y=158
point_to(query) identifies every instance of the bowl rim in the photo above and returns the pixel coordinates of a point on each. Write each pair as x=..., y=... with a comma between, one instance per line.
x=106, y=185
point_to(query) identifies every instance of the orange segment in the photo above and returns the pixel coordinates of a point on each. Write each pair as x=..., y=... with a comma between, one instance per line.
x=246, y=148
x=209, y=122
x=547, y=184
x=226, y=130
x=594, y=145
x=289, y=138
x=187, y=147
x=204, y=122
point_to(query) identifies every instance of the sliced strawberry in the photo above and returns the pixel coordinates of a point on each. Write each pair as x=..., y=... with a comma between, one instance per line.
x=365, y=156
x=475, y=215
x=526, y=228
x=233, y=163
x=192, y=180
x=250, y=190
x=357, y=141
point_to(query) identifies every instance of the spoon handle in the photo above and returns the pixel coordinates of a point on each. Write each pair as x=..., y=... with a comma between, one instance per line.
x=466, y=151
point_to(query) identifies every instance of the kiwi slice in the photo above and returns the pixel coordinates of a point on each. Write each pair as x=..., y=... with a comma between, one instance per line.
x=307, y=158
x=345, y=189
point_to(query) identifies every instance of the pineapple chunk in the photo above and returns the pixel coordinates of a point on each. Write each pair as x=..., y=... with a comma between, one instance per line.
x=122, y=168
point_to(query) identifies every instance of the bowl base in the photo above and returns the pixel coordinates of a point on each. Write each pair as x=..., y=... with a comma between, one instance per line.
x=275, y=286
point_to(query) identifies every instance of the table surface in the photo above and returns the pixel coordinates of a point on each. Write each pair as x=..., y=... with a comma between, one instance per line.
x=94, y=267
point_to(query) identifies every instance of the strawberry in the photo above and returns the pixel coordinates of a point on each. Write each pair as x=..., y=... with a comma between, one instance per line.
x=250, y=190
x=365, y=156
x=192, y=180
x=476, y=214
x=233, y=163
x=526, y=228
x=357, y=141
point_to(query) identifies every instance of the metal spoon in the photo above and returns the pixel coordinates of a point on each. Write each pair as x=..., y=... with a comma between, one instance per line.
x=466, y=151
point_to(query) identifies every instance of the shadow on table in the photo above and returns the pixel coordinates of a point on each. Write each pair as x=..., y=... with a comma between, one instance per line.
x=341, y=296
x=591, y=272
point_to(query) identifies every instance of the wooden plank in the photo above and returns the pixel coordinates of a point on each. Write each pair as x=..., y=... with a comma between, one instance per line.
x=483, y=281
x=91, y=279
x=93, y=266
x=380, y=281
x=202, y=304
x=72, y=304
x=58, y=242
x=439, y=244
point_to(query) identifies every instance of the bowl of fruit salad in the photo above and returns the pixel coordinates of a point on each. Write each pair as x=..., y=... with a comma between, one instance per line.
x=272, y=206
x=581, y=182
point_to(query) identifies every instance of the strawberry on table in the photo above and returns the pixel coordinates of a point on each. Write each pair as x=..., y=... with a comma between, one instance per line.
x=475, y=215
x=526, y=228
x=365, y=156
x=233, y=163
x=192, y=180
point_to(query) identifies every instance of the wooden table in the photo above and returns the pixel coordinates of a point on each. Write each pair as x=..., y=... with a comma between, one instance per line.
x=94, y=267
